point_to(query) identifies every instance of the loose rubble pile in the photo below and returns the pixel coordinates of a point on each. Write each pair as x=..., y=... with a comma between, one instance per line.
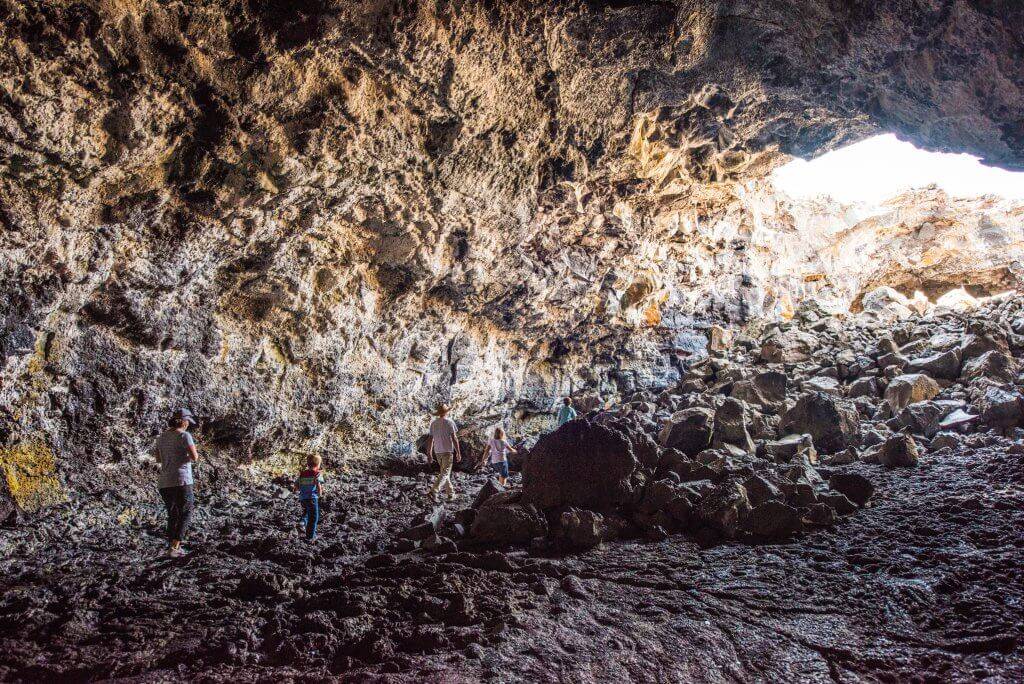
x=756, y=441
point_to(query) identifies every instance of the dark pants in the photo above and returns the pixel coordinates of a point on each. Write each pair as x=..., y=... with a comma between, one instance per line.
x=179, y=502
x=310, y=515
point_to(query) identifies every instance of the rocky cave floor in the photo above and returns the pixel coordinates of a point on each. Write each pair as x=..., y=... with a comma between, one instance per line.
x=926, y=584
x=923, y=583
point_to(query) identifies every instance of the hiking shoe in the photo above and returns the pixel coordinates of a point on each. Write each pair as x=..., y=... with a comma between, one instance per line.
x=176, y=553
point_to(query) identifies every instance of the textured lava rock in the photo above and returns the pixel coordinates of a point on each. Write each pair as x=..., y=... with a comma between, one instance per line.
x=994, y=365
x=587, y=465
x=578, y=530
x=767, y=390
x=1000, y=406
x=899, y=451
x=856, y=488
x=724, y=508
x=730, y=425
x=944, y=365
x=832, y=422
x=909, y=389
x=925, y=417
x=772, y=520
x=791, y=346
x=689, y=431
x=503, y=520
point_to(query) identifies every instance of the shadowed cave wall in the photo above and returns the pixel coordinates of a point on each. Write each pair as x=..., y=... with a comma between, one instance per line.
x=308, y=221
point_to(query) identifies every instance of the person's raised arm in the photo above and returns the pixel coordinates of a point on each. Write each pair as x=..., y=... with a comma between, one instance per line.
x=455, y=443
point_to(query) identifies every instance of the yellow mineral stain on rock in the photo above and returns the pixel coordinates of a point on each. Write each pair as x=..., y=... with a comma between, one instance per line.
x=30, y=473
x=286, y=462
x=652, y=315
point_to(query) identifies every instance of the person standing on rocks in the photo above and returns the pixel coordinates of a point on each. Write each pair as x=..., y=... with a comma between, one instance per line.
x=566, y=412
x=310, y=486
x=443, y=446
x=175, y=452
x=498, y=449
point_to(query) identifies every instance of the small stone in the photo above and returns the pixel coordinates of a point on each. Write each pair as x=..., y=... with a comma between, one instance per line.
x=821, y=514
x=772, y=520
x=899, y=451
x=856, y=488
x=944, y=365
x=573, y=586
x=909, y=389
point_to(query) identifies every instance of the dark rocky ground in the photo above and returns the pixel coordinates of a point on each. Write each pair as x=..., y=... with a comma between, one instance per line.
x=713, y=539
x=926, y=584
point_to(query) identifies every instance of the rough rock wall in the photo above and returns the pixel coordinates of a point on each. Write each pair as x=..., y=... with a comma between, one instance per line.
x=309, y=220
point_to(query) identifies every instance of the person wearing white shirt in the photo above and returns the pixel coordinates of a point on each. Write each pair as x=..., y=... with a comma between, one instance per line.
x=498, y=450
x=444, y=444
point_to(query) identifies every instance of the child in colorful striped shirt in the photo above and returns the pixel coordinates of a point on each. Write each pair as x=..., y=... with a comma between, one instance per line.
x=310, y=486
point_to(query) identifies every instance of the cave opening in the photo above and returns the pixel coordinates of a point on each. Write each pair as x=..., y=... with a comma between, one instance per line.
x=880, y=167
x=881, y=212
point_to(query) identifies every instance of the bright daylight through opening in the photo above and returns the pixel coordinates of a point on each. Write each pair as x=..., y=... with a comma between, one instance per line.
x=879, y=168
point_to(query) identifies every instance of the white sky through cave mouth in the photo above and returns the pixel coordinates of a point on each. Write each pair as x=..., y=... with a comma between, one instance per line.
x=881, y=167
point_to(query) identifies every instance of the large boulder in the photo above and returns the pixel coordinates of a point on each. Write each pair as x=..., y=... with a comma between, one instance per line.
x=589, y=465
x=887, y=304
x=864, y=387
x=909, y=389
x=689, y=430
x=489, y=489
x=821, y=383
x=832, y=422
x=504, y=520
x=659, y=493
x=760, y=489
x=578, y=530
x=790, y=346
x=983, y=336
x=787, y=448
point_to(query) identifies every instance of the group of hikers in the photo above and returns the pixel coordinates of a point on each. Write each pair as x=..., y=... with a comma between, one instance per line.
x=175, y=452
